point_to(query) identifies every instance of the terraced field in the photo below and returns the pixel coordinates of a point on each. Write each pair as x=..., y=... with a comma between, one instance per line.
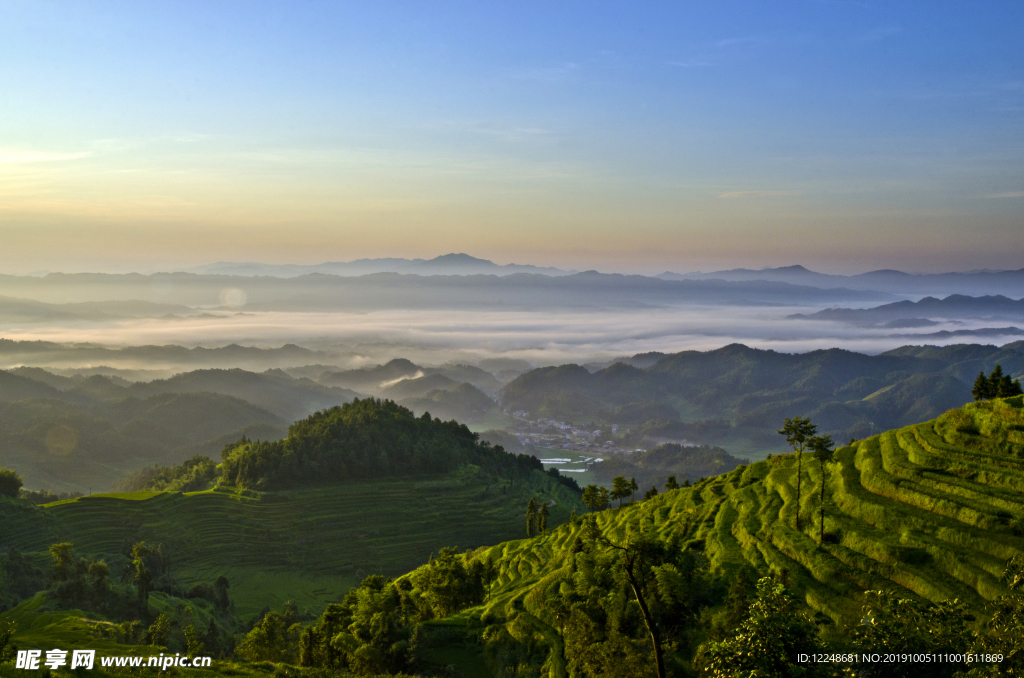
x=931, y=511
x=309, y=545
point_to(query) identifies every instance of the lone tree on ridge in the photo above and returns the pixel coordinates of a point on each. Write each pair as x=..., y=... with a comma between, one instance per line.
x=822, y=446
x=798, y=432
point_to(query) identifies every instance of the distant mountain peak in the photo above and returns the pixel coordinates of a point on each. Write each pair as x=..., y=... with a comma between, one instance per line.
x=460, y=259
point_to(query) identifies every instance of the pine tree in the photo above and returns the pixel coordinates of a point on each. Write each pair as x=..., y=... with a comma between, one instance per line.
x=633, y=487
x=798, y=432
x=532, y=510
x=981, y=388
x=1007, y=386
x=995, y=382
x=822, y=448
x=671, y=484
x=620, y=488
x=542, y=519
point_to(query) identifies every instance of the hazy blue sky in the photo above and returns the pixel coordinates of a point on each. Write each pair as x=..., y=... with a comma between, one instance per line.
x=843, y=135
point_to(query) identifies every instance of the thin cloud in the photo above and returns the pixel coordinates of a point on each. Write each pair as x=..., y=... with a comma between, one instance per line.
x=879, y=33
x=17, y=157
x=1008, y=194
x=691, y=63
x=547, y=74
x=757, y=194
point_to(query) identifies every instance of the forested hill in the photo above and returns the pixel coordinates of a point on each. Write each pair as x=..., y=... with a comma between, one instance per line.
x=363, y=439
x=850, y=395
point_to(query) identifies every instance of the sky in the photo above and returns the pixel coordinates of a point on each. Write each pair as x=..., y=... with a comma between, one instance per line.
x=635, y=137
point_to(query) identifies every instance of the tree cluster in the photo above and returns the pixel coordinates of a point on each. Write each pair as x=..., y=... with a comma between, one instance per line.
x=195, y=473
x=622, y=609
x=10, y=482
x=995, y=385
x=596, y=497
x=39, y=497
x=536, y=517
x=622, y=488
x=364, y=438
x=801, y=434
x=564, y=480
x=373, y=630
x=654, y=466
x=19, y=578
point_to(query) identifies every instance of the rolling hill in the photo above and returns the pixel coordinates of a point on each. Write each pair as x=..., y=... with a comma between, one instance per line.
x=851, y=395
x=274, y=391
x=925, y=513
x=317, y=535
x=89, y=446
x=930, y=512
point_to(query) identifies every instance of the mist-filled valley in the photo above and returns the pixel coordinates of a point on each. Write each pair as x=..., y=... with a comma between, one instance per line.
x=511, y=340
x=139, y=371
x=274, y=454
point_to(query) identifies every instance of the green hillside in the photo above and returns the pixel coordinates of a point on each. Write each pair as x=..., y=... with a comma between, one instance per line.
x=927, y=513
x=930, y=512
x=364, y=488
x=309, y=545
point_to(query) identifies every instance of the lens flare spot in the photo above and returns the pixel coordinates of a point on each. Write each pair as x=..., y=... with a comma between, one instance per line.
x=233, y=296
x=61, y=440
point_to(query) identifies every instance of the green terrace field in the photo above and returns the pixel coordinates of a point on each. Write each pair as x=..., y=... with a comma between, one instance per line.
x=309, y=545
x=931, y=511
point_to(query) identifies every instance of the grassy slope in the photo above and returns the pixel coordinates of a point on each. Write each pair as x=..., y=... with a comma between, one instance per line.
x=309, y=545
x=924, y=511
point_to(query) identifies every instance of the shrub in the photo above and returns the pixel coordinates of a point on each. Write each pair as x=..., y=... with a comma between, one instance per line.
x=10, y=483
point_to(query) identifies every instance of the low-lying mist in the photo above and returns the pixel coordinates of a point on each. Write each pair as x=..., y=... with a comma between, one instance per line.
x=434, y=337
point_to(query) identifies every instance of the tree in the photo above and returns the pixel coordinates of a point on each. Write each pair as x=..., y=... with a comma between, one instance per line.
x=768, y=642
x=1003, y=385
x=220, y=592
x=893, y=625
x=671, y=484
x=531, y=516
x=159, y=632
x=449, y=583
x=63, y=556
x=98, y=572
x=195, y=641
x=1005, y=628
x=633, y=487
x=653, y=492
x=595, y=497
x=995, y=385
x=981, y=390
x=620, y=488
x=995, y=380
x=542, y=518
x=639, y=553
x=8, y=650
x=10, y=482
x=143, y=578
x=798, y=431
x=270, y=640
x=822, y=446
x=211, y=641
